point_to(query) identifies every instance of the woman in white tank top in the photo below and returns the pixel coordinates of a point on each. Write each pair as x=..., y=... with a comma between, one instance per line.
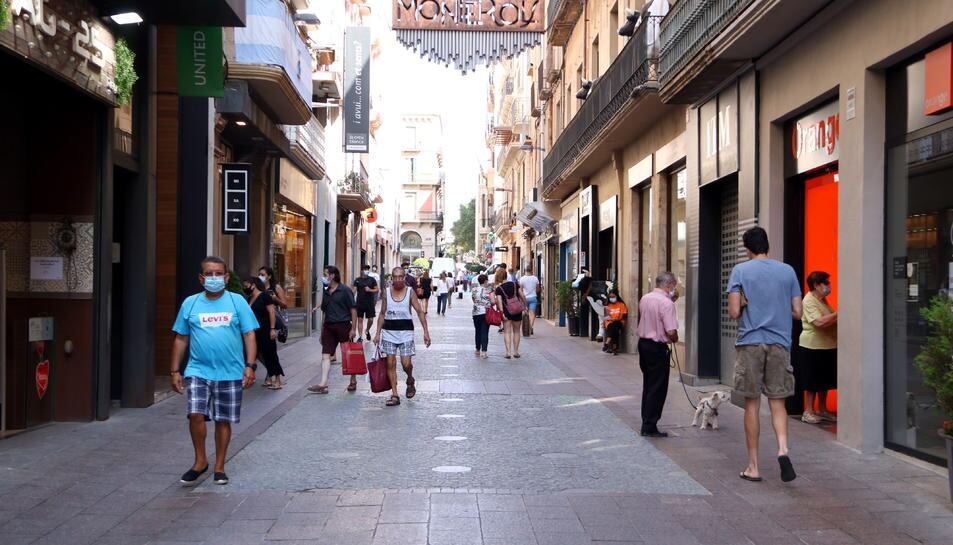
x=395, y=331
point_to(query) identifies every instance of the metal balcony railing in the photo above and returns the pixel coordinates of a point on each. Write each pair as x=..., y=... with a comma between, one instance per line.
x=552, y=8
x=689, y=27
x=429, y=216
x=635, y=66
x=354, y=183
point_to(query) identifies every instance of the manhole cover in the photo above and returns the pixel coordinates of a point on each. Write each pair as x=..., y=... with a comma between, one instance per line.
x=452, y=469
x=449, y=416
x=559, y=456
x=450, y=438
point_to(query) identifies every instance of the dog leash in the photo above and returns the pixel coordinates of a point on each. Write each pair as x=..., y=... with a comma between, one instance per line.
x=674, y=359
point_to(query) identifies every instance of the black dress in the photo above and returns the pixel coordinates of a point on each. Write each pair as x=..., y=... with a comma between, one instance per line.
x=426, y=287
x=508, y=290
x=267, y=347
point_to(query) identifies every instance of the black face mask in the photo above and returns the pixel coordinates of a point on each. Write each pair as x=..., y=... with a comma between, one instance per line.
x=248, y=291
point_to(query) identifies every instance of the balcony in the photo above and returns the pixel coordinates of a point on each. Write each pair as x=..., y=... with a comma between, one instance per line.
x=354, y=192
x=429, y=216
x=561, y=17
x=621, y=105
x=306, y=143
x=706, y=41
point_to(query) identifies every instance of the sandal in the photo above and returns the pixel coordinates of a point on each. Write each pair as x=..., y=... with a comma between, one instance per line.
x=747, y=477
x=516, y=355
x=394, y=400
x=318, y=389
x=411, y=389
x=352, y=387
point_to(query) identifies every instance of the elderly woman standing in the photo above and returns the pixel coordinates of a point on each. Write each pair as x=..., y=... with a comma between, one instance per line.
x=818, y=347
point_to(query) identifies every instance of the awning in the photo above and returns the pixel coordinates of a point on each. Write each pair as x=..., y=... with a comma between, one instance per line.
x=539, y=215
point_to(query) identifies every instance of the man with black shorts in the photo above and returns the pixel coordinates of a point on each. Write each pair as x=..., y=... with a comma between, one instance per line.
x=216, y=330
x=365, y=291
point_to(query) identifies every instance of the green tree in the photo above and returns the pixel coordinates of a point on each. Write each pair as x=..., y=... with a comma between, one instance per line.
x=464, y=229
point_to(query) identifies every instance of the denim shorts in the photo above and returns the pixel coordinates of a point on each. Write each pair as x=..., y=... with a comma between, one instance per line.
x=218, y=400
x=532, y=304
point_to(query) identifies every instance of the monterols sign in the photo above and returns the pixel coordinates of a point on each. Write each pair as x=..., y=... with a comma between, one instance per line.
x=498, y=15
x=236, y=178
x=813, y=140
x=357, y=78
x=198, y=56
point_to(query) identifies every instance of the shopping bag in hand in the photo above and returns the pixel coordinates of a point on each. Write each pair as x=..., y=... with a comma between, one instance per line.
x=352, y=359
x=493, y=316
x=377, y=372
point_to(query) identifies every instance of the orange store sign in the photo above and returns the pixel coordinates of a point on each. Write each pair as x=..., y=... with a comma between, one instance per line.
x=938, y=80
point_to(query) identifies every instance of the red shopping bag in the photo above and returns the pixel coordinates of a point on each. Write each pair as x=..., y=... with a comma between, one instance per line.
x=352, y=359
x=377, y=372
x=493, y=316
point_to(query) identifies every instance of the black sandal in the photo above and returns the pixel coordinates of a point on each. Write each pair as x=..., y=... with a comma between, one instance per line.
x=394, y=400
x=352, y=387
x=411, y=389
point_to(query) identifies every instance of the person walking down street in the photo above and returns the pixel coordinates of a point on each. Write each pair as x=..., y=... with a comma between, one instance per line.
x=818, y=347
x=216, y=328
x=395, y=332
x=510, y=299
x=443, y=290
x=263, y=306
x=451, y=288
x=482, y=300
x=377, y=278
x=274, y=290
x=529, y=282
x=658, y=327
x=425, y=290
x=365, y=292
x=340, y=318
x=764, y=295
x=616, y=313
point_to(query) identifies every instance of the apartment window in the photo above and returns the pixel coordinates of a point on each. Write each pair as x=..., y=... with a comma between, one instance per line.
x=594, y=60
x=411, y=169
x=613, y=29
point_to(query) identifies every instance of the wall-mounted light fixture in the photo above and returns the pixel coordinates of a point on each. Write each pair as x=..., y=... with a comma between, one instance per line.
x=127, y=18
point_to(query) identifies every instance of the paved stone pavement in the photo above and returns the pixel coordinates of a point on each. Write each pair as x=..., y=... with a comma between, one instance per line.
x=538, y=450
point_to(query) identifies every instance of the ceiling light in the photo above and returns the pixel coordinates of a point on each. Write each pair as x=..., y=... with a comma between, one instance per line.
x=128, y=18
x=241, y=123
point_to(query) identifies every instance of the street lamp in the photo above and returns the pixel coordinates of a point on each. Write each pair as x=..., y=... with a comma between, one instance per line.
x=528, y=146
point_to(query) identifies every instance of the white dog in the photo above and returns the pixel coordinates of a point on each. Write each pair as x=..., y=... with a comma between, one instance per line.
x=708, y=409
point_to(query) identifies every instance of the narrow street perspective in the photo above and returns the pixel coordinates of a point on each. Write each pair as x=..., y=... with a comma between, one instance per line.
x=476, y=272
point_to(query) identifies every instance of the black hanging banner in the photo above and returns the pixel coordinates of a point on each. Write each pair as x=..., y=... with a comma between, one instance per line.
x=236, y=179
x=357, y=85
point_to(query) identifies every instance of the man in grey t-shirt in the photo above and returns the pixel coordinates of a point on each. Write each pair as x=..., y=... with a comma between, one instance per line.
x=765, y=296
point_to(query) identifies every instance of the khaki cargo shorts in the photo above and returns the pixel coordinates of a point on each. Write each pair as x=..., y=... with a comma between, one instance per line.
x=764, y=368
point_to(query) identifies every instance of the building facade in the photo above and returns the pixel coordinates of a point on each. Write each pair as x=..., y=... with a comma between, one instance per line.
x=422, y=187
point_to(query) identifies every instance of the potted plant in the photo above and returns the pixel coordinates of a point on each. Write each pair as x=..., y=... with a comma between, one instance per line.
x=935, y=362
x=566, y=301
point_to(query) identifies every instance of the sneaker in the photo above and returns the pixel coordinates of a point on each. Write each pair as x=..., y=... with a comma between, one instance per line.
x=221, y=477
x=828, y=416
x=368, y=334
x=810, y=418
x=191, y=476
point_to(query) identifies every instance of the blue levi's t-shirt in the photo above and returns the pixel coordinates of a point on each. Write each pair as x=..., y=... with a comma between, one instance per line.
x=215, y=328
x=769, y=286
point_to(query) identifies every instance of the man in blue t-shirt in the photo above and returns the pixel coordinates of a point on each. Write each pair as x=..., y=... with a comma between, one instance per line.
x=765, y=296
x=217, y=328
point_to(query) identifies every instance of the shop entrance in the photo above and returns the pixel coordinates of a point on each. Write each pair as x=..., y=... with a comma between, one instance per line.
x=718, y=254
x=811, y=245
x=604, y=268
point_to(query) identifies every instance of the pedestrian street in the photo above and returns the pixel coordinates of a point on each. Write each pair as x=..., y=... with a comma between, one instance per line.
x=537, y=450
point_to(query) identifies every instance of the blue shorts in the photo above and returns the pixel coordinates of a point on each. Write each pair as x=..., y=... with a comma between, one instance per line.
x=532, y=303
x=218, y=400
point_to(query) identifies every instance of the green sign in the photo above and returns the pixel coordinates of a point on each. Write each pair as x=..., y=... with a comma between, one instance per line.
x=198, y=54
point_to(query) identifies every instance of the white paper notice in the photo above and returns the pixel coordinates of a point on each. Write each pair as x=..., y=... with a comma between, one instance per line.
x=46, y=268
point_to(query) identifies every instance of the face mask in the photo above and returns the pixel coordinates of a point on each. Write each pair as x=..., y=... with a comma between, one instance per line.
x=671, y=294
x=263, y=278
x=826, y=290
x=399, y=284
x=613, y=299
x=248, y=291
x=214, y=284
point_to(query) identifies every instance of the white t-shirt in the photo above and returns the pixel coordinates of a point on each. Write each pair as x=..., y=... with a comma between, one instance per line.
x=529, y=282
x=442, y=286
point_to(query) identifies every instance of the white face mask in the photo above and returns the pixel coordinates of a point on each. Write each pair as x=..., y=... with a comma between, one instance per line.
x=671, y=293
x=826, y=289
x=613, y=299
x=263, y=278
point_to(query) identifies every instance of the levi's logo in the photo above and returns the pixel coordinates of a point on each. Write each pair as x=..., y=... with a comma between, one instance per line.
x=215, y=319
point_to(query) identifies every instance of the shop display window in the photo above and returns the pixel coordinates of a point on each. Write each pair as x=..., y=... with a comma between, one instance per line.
x=677, y=232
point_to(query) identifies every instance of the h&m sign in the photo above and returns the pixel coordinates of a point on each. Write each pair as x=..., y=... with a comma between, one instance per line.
x=497, y=15
x=718, y=135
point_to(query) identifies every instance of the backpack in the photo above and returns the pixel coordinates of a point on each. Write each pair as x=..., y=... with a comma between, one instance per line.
x=514, y=306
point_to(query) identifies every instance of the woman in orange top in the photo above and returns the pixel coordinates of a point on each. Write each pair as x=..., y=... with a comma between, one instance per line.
x=616, y=313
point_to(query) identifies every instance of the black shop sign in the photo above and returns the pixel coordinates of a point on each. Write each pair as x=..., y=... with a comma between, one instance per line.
x=236, y=179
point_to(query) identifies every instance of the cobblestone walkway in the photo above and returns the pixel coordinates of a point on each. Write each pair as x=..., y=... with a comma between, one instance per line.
x=537, y=450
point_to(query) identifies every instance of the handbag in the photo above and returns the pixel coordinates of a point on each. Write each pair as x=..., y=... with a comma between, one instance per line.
x=377, y=373
x=352, y=359
x=493, y=316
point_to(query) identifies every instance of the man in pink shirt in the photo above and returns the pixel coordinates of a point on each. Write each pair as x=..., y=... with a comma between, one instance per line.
x=658, y=326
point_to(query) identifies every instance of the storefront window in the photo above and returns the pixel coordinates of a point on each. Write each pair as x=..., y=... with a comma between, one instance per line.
x=919, y=264
x=290, y=247
x=645, y=236
x=677, y=240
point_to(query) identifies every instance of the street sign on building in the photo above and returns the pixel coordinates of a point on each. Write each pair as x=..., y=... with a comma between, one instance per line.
x=235, y=184
x=357, y=74
x=198, y=60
